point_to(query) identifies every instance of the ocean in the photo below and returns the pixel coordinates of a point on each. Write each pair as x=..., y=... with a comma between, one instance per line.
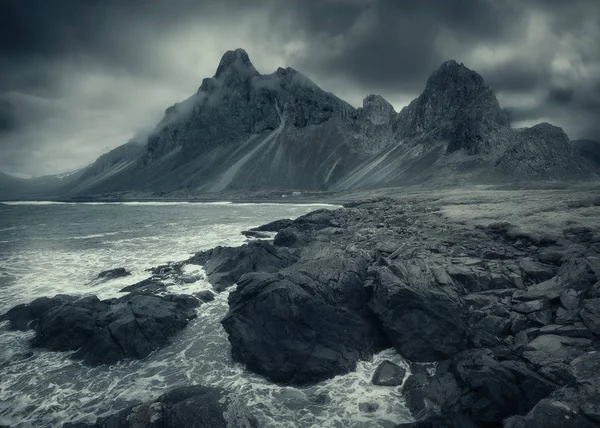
x=59, y=248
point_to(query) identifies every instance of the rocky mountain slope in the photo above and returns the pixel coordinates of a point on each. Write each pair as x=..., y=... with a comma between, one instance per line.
x=589, y=149
x=245, y=131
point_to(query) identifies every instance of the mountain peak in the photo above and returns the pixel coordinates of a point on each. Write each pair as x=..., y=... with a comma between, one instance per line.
x=458, y=107
x=454, y=76
x=236, y=60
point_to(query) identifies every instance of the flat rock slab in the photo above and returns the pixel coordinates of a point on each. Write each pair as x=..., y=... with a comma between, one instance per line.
x=550, y=349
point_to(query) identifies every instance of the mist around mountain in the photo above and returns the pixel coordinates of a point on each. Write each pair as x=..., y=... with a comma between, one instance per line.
x=244, y=131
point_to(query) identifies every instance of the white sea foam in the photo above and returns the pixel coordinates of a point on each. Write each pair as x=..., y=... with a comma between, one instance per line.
x=41, y=388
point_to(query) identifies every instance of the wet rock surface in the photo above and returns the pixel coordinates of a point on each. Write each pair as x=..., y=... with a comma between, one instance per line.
x=225, y=265
x=104, y=331
x=193, y=406
x=507, y=320
x=113, y=274
x=303, y=324
x=388, y=374
x=502, y=313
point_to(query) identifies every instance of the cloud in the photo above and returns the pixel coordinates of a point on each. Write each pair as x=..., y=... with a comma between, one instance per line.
x=81, y=77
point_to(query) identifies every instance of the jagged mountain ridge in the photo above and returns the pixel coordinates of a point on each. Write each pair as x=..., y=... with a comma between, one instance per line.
x=243, y=130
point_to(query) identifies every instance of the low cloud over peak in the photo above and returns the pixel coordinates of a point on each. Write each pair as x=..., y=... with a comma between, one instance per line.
x=82, y=77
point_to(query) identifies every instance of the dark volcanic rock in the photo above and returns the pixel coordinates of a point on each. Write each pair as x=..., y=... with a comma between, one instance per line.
x=113, y=273
x=422, y=319
x=388, y=374
x=590, y=313
x=104, y=332
x=255, y=234
x=190, y=407
x=475, y=389
x=205, y=296
x=307, y=323
x=225, y=265
x=26, y=316
x=151, y=285
x=274, y=226
x=288, y=237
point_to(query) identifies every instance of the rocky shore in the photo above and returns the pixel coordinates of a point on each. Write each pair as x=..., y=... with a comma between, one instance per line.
x=509, y=320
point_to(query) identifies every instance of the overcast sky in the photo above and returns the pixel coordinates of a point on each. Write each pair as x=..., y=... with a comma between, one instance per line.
x=78, y=78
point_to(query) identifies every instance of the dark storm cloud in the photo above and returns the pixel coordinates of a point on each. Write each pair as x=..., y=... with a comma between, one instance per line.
x=81, y=77
x=393, y=43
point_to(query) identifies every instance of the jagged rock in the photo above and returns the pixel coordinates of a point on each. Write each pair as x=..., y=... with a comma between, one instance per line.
x=305, y=324
x=274, y=226
x=225, y=265
x=243, y=130
x=151, y=285
x=288, y=237
x=549, y=349
x=531, y=306
x=475, y=389
x=255, y=234
x=25, y=316
x=368, y=407
x=536, y=271
x=564, y=316
x=113, y=273
x=548, y=290
x=540, y=317
x=388, y=374
x=576, y=330
x=205, y=296
x=570, y=299
x=550, y=256
x=590, y=314
x=191, y=406
x=549, y=413
x=104, y=332
x=422, y=321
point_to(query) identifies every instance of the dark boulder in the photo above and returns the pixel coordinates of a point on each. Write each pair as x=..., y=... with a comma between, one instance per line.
x=315, y=220
x=205, y=296
x=288, y=237
x=422, y=319
x=113, y=274
x=225, y=265
x=104, y=332
x=388, y=374
x=590, y=314
x=368, y=407
x=475, y=389
x=255, y=234
x=306, y=323
x=151, y=285
x=25, y=316
x=190, y=407
x=274, y=226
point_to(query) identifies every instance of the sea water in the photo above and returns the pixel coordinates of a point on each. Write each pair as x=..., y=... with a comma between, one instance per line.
x=51, y=248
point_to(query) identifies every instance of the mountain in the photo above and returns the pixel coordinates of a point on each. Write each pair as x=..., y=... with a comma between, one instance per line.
x=244, y=131
x=11, y=187
x=589, y=149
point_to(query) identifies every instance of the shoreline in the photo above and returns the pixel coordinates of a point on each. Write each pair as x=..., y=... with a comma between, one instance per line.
x=464, y=283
